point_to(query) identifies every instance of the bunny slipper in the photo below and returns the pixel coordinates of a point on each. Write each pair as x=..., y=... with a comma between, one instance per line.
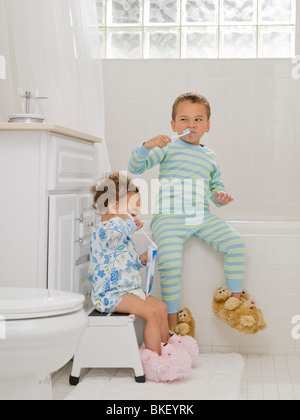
x=172, y=365
x=187, y=343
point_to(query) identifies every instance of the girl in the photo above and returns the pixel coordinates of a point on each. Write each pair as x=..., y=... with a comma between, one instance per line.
x=115, y=264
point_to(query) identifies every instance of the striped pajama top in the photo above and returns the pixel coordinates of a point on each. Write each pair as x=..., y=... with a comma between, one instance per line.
x=188, y=176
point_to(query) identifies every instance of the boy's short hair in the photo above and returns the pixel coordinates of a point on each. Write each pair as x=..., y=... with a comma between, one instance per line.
x=194, y=98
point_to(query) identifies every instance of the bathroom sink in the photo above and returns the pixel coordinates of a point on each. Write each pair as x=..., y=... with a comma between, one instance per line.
x=27, y=118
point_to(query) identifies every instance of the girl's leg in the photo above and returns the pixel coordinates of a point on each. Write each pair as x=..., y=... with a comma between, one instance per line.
x=222, y=237
x=163, y=311
x=152, y=332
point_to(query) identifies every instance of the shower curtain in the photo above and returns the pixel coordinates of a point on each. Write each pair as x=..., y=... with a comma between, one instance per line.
x=45, y=45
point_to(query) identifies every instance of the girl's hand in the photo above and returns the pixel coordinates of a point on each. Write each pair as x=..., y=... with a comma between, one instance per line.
x=138, y=223
x=158, y=141
x=223, y=199
x=144, y=258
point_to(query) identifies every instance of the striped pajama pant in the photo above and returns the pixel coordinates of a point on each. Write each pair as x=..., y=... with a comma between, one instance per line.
x=170, y=233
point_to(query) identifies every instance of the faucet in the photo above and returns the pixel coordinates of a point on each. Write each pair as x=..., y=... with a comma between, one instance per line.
x=28, y=96
x=27, y=117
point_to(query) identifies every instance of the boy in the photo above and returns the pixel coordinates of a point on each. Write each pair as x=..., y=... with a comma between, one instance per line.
x=188, y=162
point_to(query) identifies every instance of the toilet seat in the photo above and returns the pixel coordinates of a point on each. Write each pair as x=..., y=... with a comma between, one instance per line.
x=22, y=303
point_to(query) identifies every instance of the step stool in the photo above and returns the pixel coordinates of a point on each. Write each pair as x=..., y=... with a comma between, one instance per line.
x=109, y=341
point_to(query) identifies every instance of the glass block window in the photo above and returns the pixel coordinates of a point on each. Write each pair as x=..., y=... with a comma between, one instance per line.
x=136, y=29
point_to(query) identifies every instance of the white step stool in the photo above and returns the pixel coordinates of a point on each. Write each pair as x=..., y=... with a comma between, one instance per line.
x=109, y=341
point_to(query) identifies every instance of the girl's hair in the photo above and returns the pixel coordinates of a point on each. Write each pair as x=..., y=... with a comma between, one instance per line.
x=194, y=98
x=111, y=188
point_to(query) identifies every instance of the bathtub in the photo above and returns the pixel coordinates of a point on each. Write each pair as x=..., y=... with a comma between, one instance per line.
x=272, y=278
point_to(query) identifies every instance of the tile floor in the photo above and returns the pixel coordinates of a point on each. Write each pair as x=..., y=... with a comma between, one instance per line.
x=264, y=378
x=271, y=378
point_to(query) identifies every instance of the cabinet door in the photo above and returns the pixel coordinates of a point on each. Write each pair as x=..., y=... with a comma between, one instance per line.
x=62, y=234
x=83, y=284
x=87, y=215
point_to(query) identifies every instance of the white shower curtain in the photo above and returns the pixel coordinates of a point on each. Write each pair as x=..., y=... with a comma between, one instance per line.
x=46, y=46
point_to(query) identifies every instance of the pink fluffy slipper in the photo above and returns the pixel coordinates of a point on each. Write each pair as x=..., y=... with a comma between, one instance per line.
x=172, y=365
x=187, y=343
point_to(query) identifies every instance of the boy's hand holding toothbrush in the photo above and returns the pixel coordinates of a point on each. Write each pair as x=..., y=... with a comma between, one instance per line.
x=163, y=141
x=158, y=141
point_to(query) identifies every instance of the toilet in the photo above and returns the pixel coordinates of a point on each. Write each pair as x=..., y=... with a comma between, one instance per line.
x=40, y=332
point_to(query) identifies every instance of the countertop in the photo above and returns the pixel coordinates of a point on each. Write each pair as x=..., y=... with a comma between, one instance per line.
x=55, y=129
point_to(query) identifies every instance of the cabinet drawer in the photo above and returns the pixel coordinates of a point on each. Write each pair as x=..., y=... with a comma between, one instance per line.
x=72, y=164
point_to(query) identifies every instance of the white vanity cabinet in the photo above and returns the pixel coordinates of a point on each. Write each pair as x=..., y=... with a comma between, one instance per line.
x=46, y=216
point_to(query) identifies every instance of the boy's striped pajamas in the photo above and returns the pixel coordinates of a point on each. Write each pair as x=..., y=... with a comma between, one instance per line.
x=188, y=176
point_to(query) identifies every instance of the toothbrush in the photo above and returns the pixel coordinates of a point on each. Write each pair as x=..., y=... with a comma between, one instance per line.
x=153, y=244
x=183, y=134
x=152, y=253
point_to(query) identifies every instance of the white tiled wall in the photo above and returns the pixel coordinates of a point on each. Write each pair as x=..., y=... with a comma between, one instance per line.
x=255, y=123
x=272, y=278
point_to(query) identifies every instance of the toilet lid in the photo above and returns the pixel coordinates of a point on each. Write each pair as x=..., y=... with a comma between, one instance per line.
x=19, y=303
